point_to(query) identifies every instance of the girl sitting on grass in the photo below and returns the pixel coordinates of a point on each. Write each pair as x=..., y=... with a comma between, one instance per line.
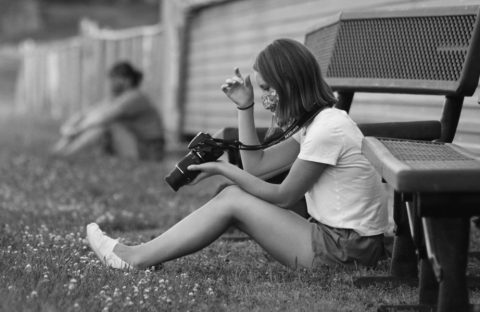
x=343, y=193
x=127, y=124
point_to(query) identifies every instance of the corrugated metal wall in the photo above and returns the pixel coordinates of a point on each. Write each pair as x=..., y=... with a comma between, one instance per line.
x=227, y=35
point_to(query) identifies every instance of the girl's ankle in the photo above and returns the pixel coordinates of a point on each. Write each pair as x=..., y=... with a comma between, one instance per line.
x=124, y=253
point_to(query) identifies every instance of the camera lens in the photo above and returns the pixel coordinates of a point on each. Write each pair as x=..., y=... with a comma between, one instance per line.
x=180, y=175
x=174, y=179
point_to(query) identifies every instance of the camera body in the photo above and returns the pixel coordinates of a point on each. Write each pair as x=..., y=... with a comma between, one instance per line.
x=203, y=148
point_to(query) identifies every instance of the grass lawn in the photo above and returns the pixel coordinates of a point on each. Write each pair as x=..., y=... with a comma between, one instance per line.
x=45, y=264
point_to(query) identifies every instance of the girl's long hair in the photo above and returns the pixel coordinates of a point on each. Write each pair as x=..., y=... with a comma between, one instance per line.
x=291, y=69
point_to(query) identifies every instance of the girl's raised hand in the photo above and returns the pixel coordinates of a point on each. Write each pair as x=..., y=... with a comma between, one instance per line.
x=239, y=90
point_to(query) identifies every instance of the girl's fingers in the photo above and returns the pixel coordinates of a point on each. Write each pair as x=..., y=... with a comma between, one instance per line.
x=248, y=82
x=237, y=73
x=224, y=87
x=234, y=80
x=199, y=167
x=237, y=80
x=192, y=167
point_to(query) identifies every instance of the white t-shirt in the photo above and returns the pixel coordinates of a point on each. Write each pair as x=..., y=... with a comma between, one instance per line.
x=349, y=193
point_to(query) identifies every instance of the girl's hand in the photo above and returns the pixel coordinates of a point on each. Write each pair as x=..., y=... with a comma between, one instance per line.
x=207, y=169
x=239, y=90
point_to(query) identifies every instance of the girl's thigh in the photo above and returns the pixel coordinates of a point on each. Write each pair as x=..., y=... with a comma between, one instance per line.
x=124, y=142
x=281, y=232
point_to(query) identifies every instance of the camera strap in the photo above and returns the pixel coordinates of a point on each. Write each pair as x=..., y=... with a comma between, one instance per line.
x=291, y=130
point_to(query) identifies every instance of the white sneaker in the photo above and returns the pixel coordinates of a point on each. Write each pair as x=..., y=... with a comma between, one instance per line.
x=103, y=246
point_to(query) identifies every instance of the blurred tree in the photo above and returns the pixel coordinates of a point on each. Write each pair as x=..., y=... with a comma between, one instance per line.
x=18, y=17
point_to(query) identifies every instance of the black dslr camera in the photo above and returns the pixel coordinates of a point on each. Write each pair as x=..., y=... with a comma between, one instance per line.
x=203, y=148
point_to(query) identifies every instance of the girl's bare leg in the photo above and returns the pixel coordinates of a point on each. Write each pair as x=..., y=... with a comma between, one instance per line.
x=85, y=139
x=282, y=233
x=71, y=125
x=124, y=141
x=61, y=144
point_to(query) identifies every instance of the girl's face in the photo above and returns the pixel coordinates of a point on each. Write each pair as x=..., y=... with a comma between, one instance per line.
x=270, y=97
x=119, y=84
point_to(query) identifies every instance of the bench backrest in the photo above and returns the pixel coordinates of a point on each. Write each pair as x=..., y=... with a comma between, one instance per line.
x=426, y=50
x=430, y=50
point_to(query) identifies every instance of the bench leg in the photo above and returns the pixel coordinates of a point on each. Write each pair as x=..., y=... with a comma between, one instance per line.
x=404, y=260
x=447, y=247
x=428, y=285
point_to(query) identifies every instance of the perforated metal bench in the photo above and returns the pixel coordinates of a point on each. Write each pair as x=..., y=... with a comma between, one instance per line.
x=437, y=185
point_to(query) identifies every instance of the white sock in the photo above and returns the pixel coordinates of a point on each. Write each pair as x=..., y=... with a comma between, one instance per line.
x=103, y=246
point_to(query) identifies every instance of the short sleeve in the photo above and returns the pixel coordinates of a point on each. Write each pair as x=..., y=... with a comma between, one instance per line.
x=323, y=143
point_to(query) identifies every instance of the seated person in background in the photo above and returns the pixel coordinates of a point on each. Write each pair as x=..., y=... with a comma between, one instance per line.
x=128, y=125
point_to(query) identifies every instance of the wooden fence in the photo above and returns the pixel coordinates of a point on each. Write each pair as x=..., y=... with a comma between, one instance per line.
x=59, y=78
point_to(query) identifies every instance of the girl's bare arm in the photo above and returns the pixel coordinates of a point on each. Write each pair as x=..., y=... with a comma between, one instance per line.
x=302, y=176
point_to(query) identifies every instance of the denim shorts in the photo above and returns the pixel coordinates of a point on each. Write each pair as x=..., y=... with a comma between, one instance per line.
x=335, y=246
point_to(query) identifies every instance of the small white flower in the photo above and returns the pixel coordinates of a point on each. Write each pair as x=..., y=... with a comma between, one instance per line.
x=129, y=303
x=116, y=292
x=210, y=291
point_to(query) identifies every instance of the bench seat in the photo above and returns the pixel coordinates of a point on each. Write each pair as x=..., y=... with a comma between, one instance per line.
x=423, y=166
x=439, y=184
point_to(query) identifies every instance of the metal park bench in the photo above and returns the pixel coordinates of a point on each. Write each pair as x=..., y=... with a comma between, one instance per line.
x=434, y=50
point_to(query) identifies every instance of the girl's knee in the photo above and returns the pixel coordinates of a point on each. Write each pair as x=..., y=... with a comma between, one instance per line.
x=231, y=193
x=233, y=199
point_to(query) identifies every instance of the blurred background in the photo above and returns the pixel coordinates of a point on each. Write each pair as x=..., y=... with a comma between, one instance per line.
x=54, y=56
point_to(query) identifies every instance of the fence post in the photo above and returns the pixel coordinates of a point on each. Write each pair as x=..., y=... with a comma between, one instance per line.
x=173, y=20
